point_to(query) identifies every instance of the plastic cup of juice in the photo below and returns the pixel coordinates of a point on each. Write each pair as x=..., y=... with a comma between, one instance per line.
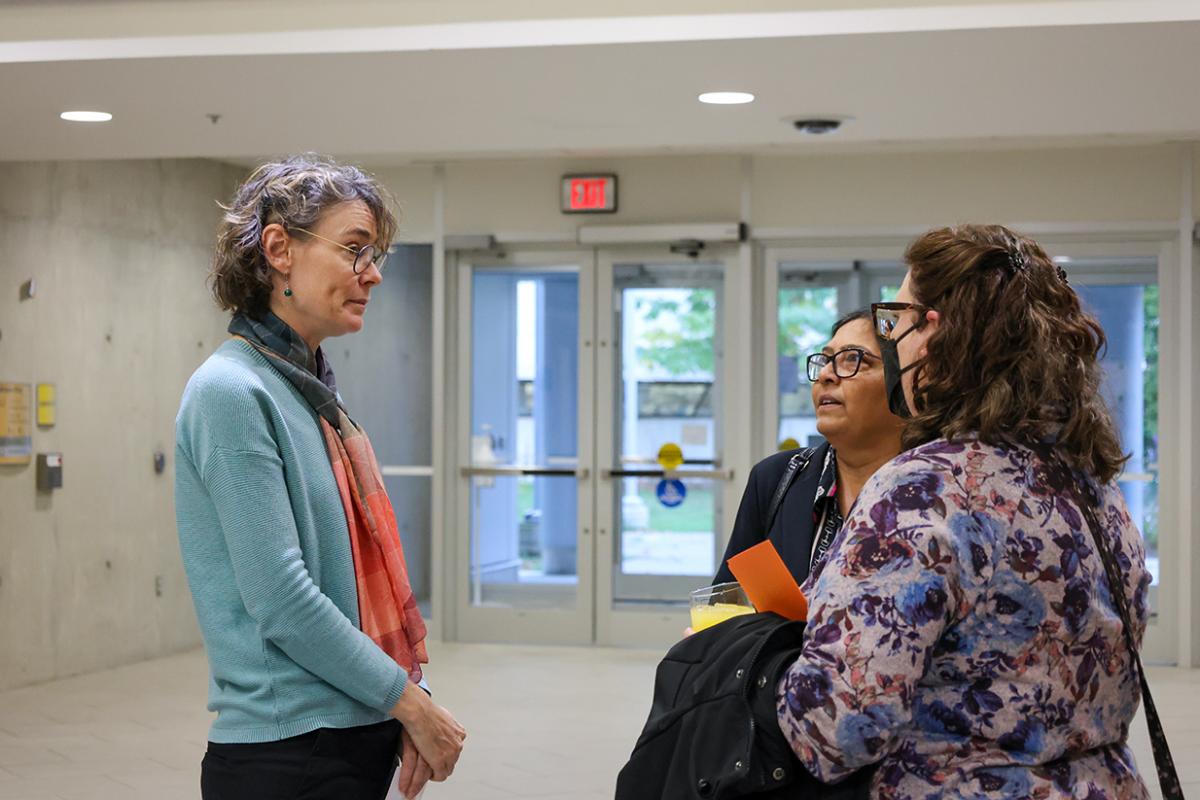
x=714, y=604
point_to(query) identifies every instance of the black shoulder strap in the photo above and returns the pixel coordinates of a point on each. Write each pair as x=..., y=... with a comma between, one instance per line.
x=795, y=466
x=1168, y=778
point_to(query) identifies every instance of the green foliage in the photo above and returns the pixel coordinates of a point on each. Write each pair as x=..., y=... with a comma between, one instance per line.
x=805, y=319
x=806, y=316
x=1150, y=306
x=1150, y=371
x=678, y=336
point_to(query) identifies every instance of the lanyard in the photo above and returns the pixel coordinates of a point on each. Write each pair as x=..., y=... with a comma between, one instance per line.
x=829, y=521
x=827, y=530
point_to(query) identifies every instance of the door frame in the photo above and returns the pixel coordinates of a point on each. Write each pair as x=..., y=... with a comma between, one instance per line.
x=507, y=624
x=656, y=624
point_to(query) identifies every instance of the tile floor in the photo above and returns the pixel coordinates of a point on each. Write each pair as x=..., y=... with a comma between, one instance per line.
x=543, y=723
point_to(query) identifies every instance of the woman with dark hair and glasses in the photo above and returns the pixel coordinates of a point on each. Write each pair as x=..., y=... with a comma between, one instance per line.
x=861, y=434
x=314, y=641
x=969, y=631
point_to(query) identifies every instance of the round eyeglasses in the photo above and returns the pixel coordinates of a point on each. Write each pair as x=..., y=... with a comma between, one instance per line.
x=364, y=256
x=846, y=362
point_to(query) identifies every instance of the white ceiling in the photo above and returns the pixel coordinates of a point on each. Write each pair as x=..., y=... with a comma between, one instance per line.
x=393, y=103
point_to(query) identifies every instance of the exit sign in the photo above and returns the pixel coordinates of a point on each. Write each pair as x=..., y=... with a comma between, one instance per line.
x=589, y=194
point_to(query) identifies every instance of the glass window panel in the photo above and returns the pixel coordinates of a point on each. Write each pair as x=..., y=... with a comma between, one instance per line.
x=524, y=411
x=674, y=399
x=657, y=540
x=806, y=316
x=1128, y=312
x=523, y=559
x=411, y=498
x=385, y=372
x=668, y=375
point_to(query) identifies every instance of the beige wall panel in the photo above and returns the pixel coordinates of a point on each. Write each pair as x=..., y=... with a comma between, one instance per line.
x=1195, y=175
x=413, y=188
x=505, y=196
x=1128, y=184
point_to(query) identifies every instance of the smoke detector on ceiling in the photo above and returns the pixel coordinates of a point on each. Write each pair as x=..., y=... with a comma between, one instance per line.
x=818, y=125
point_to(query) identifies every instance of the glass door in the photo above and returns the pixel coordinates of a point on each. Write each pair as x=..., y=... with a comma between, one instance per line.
x=661, y=506
x=1123, y=293
x=525, y=357
x=811, y=297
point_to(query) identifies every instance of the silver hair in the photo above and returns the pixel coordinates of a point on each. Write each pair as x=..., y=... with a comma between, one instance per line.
x=294, y=192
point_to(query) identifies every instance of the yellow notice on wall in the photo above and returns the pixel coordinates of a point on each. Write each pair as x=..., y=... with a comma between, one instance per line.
x=45, y=405
x=16, y=438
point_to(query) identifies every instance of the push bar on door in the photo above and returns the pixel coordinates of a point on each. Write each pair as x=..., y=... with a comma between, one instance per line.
x=706, y=474
x=580, y=472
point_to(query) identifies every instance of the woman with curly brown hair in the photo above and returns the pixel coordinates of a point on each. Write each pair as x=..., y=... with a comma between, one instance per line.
x=290, y=544
x=963, y=635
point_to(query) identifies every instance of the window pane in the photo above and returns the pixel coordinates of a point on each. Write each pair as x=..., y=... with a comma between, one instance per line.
x=806, y=315
x=674, y=399
x=411, y=498
x=656, y=540
x=524, y=411
x=1129, y=315
x=668, y=379
x=384, y=372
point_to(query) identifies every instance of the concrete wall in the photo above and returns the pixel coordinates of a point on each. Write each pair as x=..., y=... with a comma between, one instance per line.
x=90, y=576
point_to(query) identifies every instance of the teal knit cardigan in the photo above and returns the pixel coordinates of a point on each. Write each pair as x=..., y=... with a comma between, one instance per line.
x=267, y=554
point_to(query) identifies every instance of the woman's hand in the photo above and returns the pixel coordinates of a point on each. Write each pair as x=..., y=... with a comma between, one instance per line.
x=415, y=771
x=436, y=735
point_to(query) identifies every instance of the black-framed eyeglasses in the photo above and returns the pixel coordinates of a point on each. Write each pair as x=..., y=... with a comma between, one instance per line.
x=364, y=256
x=846, y=362
x=886, y=316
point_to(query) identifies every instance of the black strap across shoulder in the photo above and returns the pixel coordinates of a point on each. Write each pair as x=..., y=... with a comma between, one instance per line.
x=1168, y=778
x=795, y=466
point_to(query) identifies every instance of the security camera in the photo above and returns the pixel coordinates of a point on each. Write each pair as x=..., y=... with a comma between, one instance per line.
x=817, y=127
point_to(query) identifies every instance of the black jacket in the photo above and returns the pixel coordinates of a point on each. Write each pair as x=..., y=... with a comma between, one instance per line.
x=792, y=533
x=713, y=732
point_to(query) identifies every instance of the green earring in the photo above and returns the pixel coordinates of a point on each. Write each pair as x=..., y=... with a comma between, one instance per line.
x=287, y=291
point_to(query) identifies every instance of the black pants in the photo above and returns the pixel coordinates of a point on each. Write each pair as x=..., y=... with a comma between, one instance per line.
x=352, y=763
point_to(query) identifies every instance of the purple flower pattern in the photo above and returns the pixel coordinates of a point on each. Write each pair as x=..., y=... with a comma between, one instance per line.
x=961, y=635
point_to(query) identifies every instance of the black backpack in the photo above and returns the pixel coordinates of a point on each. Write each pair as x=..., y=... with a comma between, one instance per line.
x=713, y=731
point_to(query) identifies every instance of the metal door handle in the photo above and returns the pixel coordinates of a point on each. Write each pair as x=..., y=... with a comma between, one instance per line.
x=576, y=472
x=715, y=462
x=705, y=474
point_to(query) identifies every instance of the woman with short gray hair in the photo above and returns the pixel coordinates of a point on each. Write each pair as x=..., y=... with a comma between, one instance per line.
x=288, y=538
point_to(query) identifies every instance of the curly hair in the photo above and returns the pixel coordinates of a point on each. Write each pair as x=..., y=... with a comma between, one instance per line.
x=1015, y=358
x=294, y=192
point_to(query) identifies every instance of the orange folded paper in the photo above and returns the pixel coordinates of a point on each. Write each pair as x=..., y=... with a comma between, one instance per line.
x=768, y=582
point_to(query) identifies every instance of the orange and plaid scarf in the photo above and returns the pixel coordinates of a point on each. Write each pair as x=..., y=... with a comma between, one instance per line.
x=387, y=608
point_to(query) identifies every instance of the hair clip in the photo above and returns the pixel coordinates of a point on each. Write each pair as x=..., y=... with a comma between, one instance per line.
x=1016, y=260
x=1062, y=275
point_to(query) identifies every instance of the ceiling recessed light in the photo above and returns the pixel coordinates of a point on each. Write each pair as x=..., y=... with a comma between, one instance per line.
x=726, y=98
x=86, y=116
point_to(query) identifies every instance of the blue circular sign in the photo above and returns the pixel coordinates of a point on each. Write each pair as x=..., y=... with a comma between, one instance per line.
x=671, y=493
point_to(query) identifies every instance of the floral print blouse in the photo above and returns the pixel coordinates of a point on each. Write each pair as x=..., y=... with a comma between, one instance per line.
x=961, y=635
